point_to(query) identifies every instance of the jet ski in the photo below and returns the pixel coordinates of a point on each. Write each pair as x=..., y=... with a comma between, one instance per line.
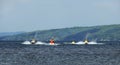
x=86, y=41
x=52, y=42
x=33, y=41
x=73, y=42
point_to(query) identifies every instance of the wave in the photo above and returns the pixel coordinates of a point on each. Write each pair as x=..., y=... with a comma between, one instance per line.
x=26, y=42
x=39, y=43
x=92, y=42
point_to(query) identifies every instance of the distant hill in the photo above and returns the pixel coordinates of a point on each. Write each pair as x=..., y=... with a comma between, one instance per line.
x=9, y=33
x=97, y=33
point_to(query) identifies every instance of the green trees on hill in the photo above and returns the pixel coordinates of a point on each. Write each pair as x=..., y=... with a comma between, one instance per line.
x=98, y=33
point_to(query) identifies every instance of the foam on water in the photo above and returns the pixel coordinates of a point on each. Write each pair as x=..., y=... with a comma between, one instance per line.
x=92, y=42
x=37, y=43
x=51, y=44
x=26, y=42
x=40, y=43
x=81, y=42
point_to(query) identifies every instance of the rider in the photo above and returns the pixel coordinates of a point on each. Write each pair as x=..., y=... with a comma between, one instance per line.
x=52, y=42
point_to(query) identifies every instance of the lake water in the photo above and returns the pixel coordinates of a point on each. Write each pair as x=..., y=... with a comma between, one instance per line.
x=15, y=53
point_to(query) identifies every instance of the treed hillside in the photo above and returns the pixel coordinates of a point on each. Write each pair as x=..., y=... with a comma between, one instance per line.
x=9, y=33
x=98, y=33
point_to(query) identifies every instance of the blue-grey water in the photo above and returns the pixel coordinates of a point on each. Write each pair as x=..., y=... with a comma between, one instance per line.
x=15, y=53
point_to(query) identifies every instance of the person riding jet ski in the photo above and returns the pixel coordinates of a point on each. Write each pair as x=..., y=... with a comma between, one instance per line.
x=52, y=42
x=86, y=41
x=33, y=41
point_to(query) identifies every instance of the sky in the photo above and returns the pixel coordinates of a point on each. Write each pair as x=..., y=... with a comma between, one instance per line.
x=31, y=15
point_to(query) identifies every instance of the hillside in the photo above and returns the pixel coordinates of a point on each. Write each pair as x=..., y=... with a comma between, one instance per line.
x=9, y=33
x=98, y=33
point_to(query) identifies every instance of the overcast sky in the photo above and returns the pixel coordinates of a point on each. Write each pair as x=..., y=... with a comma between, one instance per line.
x=31, y=15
